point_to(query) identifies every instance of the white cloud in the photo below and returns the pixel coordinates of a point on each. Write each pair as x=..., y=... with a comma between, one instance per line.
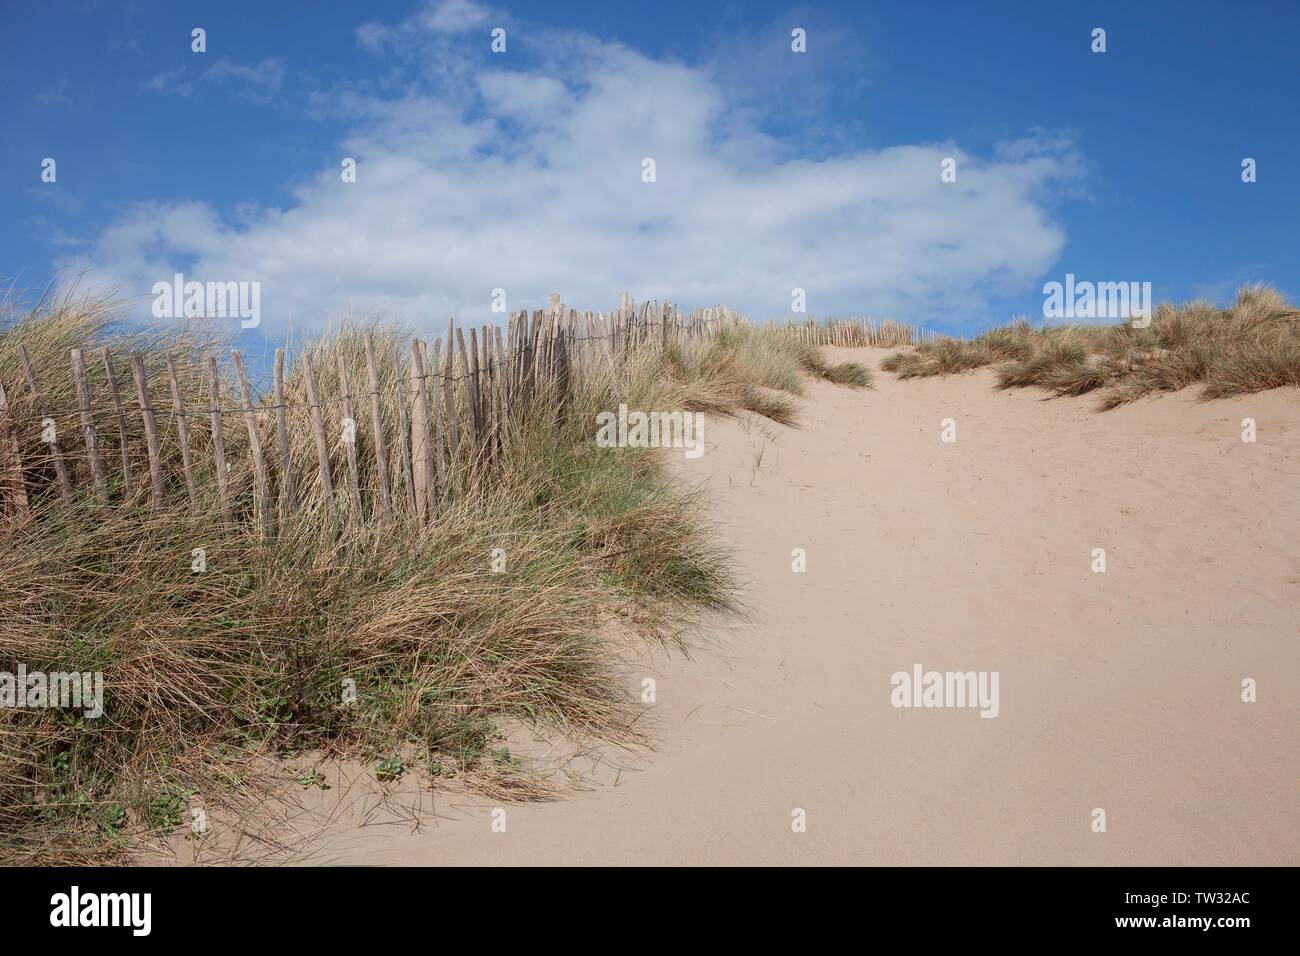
x=171, y=81
x=373, y=37
x=445, y=19
x=54, y=95
x=530, y=180
x=528, y=97
x=454, y=16
x=258, y=82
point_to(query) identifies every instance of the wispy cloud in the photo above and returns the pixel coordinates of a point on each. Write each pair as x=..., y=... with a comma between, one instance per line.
x=56, y=95
x=171, y=81
x=525, y=173
x=62, y=199
x=454, y=16
x=259, y=83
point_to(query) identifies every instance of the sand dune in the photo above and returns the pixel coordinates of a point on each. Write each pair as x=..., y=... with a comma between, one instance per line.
x=1118, y=690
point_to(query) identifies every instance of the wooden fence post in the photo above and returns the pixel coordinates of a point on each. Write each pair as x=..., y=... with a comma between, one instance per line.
x=13, y=453
x=218, y=438
x=477, y=375
x=88, y=426
x=471, y=399
x=449, y=401
x=282, y=435
x=183, y=428
x=318, y=430
x=491, y=378
x=503, y=390
x=350, y=447
x=377, y=424
x=439, y=417
x=38, y=401
x=150, y=430
x=426, y=496
x=483, y=388
x=254, y=440
x=128, y=486
x=538, y=357
x=403, y=435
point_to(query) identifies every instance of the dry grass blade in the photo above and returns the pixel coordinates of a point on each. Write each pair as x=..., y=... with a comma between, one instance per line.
x=1250, y=346
x=343, y=632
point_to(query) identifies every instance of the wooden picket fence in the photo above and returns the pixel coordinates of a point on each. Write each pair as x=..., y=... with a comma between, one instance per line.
x=414, y=433
x=861, y=333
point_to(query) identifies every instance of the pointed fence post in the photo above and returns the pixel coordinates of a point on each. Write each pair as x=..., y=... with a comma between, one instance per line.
x=38, y=401
x=150, y=430
x=350, y=447
x=404, y=435
x=318, y=430
x=377, y=426
x=88, y=426
x=449, y=404
x=426, y=495
x=13, y=453
x=439, y=418
x=128, y=485
x=282, y=435
x=218, y=438
x=183, y=429
x=254, y=441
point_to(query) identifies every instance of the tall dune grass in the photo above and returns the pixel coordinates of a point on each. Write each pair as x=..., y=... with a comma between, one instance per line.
x=205, y=671
x=1251, y=346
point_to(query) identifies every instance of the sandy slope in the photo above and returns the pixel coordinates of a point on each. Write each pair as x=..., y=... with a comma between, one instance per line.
x=1118, y=690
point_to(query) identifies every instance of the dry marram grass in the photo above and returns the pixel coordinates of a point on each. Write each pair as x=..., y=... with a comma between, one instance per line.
x=207, y=673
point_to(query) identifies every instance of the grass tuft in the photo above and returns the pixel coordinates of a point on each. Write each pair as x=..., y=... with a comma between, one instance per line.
x=1251, y=346
x=206, y=674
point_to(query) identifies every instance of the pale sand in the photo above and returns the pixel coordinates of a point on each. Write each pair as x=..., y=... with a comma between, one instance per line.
x=1119, y=690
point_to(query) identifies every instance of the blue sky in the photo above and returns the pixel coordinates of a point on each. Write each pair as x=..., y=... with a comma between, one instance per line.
x=522, y=170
